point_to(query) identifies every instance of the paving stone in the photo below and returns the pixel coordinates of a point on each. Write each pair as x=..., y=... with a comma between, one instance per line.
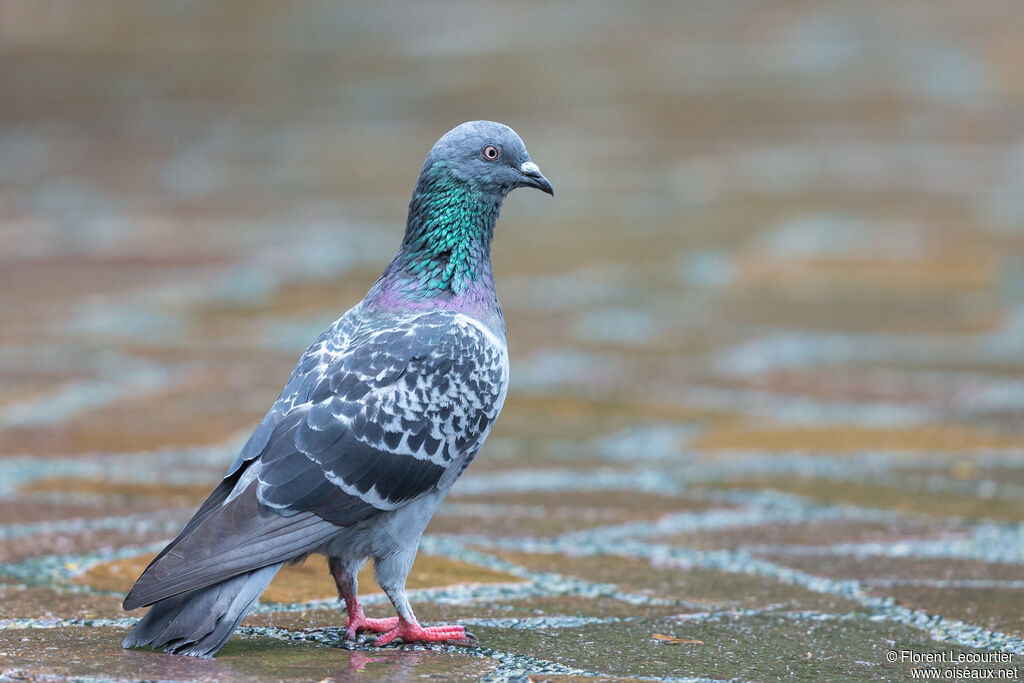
x=544, y=417
x=27, y=511
x=625, y=500
x=766, y=344
x=815, y=533
x=16, y=388
x=550, y=514
x=96, y=652
x=709, y=588
x=850, y=438
x=205, y=403
x=860, y=314
x=518, y=521
x=997, y=609
x=310, y=580
x=85, y=537
x=134, y=494
x=747, y=647
x=891, y=497
x=562, y=605
x=1007, y=475
x=429, y=611
x=18, y=601
x=867, y=566
x=942, y=273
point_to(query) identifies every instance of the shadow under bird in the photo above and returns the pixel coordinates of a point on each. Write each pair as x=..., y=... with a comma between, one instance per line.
x=379, y=418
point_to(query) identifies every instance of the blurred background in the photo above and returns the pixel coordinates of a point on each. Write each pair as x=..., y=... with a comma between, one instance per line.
x=767, y=339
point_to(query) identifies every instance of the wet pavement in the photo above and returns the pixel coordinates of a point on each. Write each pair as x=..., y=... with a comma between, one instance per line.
x=767, y=407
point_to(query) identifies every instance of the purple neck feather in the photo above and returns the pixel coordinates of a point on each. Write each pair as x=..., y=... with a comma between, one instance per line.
x=444, y=262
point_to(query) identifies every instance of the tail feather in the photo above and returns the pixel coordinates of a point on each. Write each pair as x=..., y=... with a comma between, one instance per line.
x=199, y=622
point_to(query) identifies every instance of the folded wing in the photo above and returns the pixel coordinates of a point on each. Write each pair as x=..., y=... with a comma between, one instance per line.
x=359, y=432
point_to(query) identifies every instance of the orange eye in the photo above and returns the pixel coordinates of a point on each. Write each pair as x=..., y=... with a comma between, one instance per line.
x=491, y=153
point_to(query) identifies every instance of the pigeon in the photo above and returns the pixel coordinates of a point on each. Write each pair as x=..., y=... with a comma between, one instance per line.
x=378, y=419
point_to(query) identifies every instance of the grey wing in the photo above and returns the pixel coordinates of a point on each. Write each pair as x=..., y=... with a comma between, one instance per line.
x=304, y=379
x=387, y=420
x=383, y=423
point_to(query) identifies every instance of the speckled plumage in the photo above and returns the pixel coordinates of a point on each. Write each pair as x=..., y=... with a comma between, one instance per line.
x=378, y=419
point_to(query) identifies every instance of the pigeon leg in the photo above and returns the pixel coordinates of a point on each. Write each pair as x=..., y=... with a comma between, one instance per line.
x=345, y=578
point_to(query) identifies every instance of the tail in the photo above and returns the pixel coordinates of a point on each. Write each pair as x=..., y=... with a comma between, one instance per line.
x=198, y=623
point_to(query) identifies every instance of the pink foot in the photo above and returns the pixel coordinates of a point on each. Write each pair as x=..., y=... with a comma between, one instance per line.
x=359, y=622
x=412, y=632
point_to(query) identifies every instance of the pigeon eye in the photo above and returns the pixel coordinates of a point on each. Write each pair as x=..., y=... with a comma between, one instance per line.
x=491, y=153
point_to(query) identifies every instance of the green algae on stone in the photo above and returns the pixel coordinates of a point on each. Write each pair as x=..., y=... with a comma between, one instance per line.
x=991, y=607
x=805, y=646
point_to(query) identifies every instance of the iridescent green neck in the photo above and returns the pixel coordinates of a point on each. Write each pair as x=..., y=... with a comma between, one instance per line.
x=448, y=235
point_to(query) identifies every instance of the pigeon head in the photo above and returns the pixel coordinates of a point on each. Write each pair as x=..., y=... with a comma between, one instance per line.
x=447, y=247
x=487, y=156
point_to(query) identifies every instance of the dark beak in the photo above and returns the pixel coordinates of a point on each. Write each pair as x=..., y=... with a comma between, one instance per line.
x=532, y=177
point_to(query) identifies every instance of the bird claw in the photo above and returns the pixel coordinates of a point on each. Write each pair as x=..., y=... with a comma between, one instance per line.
x=414, y=633
x=353, y=626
